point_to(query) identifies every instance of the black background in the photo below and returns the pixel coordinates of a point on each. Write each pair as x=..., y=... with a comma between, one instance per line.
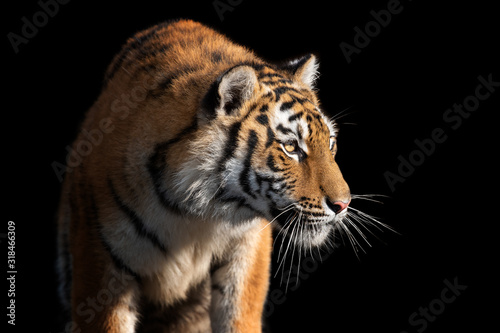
x=395, y=91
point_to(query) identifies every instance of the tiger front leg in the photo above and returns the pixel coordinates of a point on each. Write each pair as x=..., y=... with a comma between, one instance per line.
x=240, y=283
x=104, y=297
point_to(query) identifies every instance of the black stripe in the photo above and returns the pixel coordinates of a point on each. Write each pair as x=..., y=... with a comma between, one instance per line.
x=166, y=82
x=228, y=153
x=269, y=179
x=292, y=66
x=302, y=101
x=309, y=121
x=283, y=90
x=287, y=105
x=217, y=56
x=262, y=119
x=117, y=261
x=271, y=164
x=274, y=83
x=231, y=144
x=242, y=202
x=284, y=130
x=157, y=165
x=211, y=100
x=217, y=264
x=318, y=118
x=295, y=116
x=276, y=194
x=137, y=222
x=270, y=137
x=255, y=65
x=118, y=63
x=279, y=91
x=134, y=44
x=270, y=75
x=65, y=277
x=183, y=312
x=151, y=52
x=253, y=140
x=163, y=85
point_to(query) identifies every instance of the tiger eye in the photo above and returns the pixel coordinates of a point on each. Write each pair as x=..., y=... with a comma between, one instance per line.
x=289, y=147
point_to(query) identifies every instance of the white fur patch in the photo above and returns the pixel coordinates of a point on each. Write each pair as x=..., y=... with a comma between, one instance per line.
x=308, y=73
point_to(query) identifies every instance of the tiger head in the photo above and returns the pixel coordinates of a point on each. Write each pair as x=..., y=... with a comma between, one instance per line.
x=268, y=150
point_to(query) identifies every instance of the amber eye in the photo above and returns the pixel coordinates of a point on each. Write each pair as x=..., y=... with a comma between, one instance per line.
x=290, y=147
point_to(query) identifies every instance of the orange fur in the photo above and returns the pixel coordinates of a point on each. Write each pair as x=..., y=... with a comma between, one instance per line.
x=256, y=284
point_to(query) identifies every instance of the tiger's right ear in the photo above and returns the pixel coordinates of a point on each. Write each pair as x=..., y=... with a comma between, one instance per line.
x=304, y=69
x=228, y=93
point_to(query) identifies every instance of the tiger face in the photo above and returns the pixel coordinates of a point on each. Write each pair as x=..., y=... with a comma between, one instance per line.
x=271, y=151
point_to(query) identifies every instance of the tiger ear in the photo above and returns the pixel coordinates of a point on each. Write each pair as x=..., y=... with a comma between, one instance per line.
x=228, y=93
x=304, y=69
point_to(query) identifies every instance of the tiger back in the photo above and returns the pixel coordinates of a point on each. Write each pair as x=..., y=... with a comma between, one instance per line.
x=165, y=224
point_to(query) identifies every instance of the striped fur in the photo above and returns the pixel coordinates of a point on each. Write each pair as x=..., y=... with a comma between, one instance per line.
x=163, y=224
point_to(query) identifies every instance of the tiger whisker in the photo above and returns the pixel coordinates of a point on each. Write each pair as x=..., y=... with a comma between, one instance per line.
x=351, y=223
x=341, y=114
x=290, y=240
x=300, y=245
x=356, y=219
x=369, y=219
x=221, y=184
x=368, y=197
x=293, y=251
x=352, y=240
x=299, y=233
x=351, y=214
x=286, y=209
x=286, y=227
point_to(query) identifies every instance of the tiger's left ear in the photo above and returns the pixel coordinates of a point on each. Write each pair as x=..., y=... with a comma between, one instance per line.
x=304, y=69
x=229, y=92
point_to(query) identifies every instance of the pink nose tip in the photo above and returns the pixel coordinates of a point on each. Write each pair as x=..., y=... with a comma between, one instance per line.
x=337, y=206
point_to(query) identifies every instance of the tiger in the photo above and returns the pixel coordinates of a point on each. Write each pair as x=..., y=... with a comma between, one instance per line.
x=166, y=222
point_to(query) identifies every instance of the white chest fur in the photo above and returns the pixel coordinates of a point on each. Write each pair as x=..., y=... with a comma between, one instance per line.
x=193, y=247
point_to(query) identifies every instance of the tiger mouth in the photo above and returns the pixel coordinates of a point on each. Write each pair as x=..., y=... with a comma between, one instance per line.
x=294, y=215
x=304, y=228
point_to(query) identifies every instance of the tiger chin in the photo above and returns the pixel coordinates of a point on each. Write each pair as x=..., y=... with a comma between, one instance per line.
x=166, y=225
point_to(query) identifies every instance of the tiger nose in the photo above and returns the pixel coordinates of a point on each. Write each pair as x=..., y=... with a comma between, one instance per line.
x=337, y=206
